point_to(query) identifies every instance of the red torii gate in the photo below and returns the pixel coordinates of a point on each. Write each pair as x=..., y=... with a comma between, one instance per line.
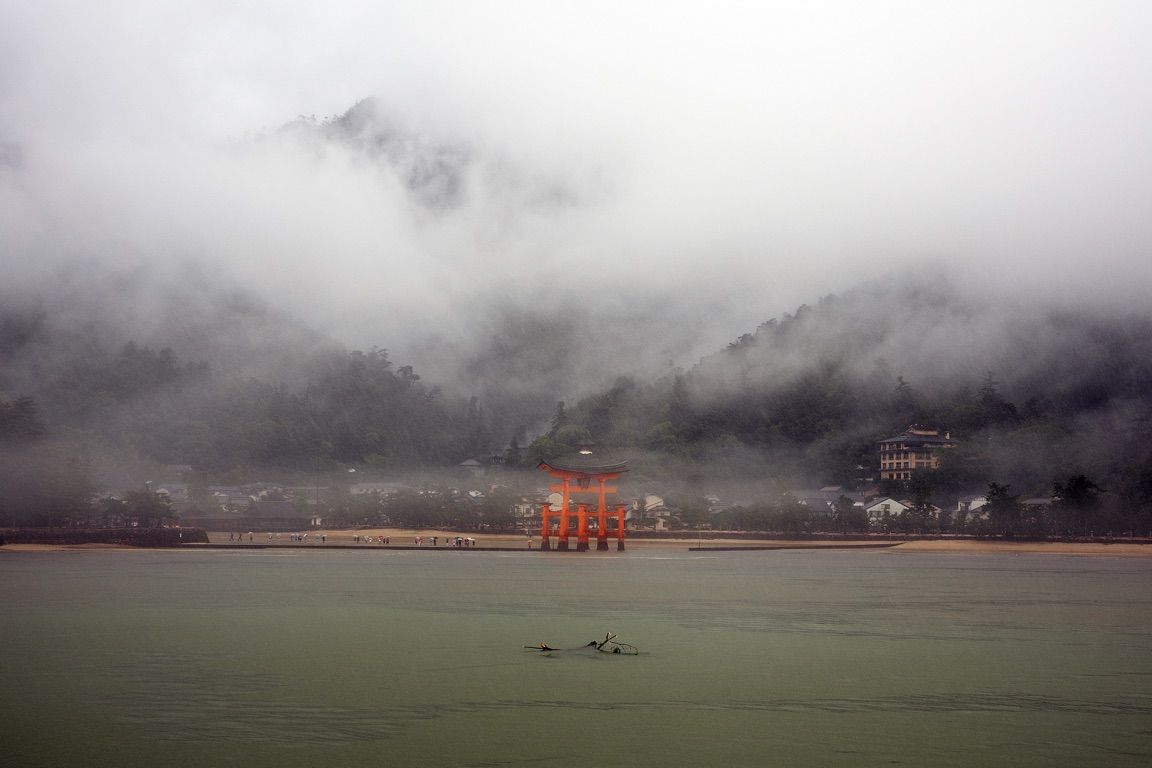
x=576, y=474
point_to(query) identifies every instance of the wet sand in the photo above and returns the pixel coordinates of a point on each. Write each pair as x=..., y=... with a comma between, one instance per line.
x=407, y=538
x=1121, y=549
x=61, y=547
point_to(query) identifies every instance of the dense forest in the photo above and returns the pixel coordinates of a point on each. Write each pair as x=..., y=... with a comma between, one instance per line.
x=1038, y=400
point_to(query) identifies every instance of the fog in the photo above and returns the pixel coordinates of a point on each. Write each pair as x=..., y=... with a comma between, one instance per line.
x=632, y=185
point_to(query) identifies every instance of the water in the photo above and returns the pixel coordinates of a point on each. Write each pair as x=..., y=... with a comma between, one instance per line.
x=300, y=658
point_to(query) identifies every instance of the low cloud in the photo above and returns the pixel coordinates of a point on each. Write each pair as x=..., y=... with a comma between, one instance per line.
x=627, y=187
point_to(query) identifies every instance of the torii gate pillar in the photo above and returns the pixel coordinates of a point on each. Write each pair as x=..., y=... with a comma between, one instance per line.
x=562, y=534
x=545, y=526
x=602, y=529
x=582, y=528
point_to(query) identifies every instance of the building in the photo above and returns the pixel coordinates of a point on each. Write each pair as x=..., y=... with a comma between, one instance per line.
x=882, y=511
x=648, y=512
x=915, y=449
x=973, y=506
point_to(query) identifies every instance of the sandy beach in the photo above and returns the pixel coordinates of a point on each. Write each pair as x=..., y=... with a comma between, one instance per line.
x=1120, y=549
x=407, y=538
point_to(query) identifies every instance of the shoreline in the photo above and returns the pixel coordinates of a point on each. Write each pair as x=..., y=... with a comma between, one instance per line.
x=405, y=540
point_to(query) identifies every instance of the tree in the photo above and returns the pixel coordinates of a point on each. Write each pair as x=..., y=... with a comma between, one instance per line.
x=496, y=509
x=848, y=516
x=905, y=403
x=112, y=511
x=514, y=456
x=1077, y=505
x=996, y=410
x=1004, y=509
x=920, y=516
x=20, y=421
x=147, y=509
x=476, y=439
x=559, y=419
x=691, y=511
x=44, y=485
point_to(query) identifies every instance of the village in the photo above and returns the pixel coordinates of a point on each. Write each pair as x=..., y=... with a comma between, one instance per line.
x=484, y=495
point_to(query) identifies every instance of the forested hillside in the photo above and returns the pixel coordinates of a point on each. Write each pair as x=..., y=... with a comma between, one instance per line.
x=1034, y=397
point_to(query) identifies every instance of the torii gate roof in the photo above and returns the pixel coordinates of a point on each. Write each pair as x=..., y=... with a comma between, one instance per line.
x=583, y=464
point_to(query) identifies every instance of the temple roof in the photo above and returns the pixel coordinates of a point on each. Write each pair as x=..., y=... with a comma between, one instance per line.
x=916, y=437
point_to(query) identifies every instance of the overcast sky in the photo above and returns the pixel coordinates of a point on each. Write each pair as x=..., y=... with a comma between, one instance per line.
x=751, y=156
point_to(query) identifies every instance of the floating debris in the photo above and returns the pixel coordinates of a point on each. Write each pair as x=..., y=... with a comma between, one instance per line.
x=608, y=645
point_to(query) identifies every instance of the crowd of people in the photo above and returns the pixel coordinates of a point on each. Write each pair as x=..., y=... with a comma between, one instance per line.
x=449, y=541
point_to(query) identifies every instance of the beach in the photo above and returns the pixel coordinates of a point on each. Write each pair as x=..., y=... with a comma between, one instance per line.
x=407, y=538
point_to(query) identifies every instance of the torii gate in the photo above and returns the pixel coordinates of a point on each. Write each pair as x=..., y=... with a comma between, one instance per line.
x=576, y=475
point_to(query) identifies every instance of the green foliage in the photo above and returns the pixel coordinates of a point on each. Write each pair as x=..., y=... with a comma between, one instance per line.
x=20, y=422
x=782, y=515
x=353, y=408
x=805, y=396
x=848, y=517
x=688, y=510
x=545, y=448
x=44, y=485
x=1004, y=510
x=147, y=509
x=1077, y=509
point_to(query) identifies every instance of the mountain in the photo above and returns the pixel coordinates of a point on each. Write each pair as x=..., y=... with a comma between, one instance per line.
x=1033, y=393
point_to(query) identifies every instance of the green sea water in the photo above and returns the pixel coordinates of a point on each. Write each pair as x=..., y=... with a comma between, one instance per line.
x=805, y=658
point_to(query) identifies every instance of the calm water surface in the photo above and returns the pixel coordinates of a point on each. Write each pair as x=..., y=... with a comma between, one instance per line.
x=290, y=658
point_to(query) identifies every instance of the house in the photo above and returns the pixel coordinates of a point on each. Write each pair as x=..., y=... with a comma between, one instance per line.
x=473, y=465
x=914, y=450
x=970, y=503
x=231, y=509
x=527, y=511
x=882, y=510
x=367, y=488
x=824, y=500
x=972, y=506
x=648, y=512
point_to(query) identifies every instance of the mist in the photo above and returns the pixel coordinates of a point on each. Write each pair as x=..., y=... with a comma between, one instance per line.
x=527, y=203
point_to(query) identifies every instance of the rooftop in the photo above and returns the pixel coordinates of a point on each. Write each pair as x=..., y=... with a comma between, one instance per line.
x=586, y=461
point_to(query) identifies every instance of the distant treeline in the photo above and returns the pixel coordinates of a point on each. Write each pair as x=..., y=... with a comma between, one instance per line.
x=1078, y=509
x=1034, y=400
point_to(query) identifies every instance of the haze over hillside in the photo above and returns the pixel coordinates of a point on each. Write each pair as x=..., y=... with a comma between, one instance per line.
x=523, y=205
x=670, y=179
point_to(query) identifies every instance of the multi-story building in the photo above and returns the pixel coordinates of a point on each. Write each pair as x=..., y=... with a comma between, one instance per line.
x=915, y=449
